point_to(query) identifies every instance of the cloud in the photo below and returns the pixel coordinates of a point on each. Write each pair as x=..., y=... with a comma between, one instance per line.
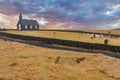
x=42, y=21
x=88, y=12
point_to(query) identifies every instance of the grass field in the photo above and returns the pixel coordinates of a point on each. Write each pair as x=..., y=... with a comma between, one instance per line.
x=69, y=36
x=26, y=62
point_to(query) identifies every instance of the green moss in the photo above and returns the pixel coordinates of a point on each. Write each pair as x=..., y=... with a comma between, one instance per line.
x=1, y=78
x=13, y=64
x=78, y=60
x=57, y=60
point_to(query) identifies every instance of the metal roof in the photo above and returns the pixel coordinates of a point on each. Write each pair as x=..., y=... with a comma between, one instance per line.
x=28, y=22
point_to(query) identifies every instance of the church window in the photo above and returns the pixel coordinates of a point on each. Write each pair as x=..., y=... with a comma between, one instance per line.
x=25, y=26
x=36, y=27
x=31, y=27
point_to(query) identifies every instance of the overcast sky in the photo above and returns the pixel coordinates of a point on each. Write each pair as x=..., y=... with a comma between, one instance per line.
x=76, y=14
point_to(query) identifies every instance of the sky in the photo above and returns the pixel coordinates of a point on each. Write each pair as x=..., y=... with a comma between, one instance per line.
x=62, y=14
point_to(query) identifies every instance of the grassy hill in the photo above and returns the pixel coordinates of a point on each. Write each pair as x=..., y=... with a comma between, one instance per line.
x=26, y=62
x=70, y=36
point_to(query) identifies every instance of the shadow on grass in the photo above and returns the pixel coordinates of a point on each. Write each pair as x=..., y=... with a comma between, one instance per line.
x=40, y=44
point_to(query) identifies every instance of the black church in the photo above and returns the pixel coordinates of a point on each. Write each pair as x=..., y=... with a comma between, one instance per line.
x=25, y=24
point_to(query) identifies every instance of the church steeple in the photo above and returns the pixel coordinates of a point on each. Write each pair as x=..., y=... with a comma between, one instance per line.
x=20, y=16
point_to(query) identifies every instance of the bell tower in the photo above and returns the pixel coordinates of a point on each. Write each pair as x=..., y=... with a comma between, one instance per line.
x=20, y=16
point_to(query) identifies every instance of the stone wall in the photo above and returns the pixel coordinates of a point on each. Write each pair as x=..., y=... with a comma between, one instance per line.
x=64, y=42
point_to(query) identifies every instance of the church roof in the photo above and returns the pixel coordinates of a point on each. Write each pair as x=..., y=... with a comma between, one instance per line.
x=28, y=22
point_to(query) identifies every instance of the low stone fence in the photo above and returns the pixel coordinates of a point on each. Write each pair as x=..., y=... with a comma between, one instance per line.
x=64, y=42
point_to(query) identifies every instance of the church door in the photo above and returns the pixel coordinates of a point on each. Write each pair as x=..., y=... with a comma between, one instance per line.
x=19, y=27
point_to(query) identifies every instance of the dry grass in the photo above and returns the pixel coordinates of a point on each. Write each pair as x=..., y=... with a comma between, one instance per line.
x=68, y=36
x=27, y=62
